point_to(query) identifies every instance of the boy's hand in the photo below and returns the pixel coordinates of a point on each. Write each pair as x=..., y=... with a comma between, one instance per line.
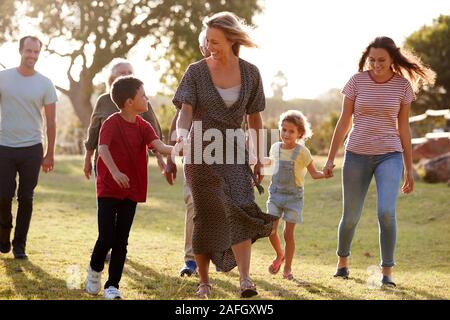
x=160, y=160
x=171, y=171
x=122, y=180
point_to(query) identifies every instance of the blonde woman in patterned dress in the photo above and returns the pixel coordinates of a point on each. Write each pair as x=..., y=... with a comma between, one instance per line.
x=220, y=91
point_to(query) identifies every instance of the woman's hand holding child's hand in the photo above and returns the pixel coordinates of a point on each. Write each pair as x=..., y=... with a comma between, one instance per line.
x=328, y=169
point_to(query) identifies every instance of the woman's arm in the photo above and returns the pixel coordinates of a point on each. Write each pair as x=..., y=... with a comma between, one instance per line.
x=184, y=121
x=405, y=138
x=255, y=123
x=342, y=128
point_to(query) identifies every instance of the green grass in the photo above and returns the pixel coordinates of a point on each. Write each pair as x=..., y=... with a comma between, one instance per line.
x=64, y=229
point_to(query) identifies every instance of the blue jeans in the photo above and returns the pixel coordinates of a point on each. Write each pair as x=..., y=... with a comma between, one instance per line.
x=356, y=177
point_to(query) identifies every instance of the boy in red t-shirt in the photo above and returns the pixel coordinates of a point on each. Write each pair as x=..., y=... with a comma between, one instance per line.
x=121, y=181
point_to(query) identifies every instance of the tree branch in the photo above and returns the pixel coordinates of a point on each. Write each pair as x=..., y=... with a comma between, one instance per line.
x=64, y=91
x=52, y=51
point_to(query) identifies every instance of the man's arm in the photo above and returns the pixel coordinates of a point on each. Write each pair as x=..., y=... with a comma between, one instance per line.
x=50, y=118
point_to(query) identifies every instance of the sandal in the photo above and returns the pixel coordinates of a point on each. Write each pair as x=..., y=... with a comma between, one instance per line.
x=248, y=288
x=342, y=273
x=275, y=267
x=387, y=282
x=288, y=276
x=204, y=290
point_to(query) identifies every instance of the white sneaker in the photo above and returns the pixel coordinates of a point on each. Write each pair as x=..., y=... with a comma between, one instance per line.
x=112, y=293
x=93, y=281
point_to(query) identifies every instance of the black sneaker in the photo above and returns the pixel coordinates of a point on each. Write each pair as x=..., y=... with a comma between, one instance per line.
x=342, y=273
x=20, y=255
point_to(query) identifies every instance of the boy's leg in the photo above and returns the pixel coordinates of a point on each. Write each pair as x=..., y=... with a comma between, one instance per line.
x=289, y=246
x=125, y=215
x=107, y=211
x=28, y=167
x=8, y=173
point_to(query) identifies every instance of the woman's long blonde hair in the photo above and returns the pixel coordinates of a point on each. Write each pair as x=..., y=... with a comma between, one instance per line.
x=234, y=28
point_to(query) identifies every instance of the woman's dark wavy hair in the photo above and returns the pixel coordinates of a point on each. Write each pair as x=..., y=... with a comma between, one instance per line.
x=404, y=63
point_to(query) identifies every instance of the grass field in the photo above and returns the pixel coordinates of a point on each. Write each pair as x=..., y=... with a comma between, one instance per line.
x=64, y=229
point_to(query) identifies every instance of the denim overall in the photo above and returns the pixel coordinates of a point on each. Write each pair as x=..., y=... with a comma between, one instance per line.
x=285, y=197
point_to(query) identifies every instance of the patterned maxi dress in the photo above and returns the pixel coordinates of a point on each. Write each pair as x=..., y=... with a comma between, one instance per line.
x=225, y=212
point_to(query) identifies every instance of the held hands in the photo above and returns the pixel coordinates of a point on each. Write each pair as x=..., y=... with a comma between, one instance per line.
x=48, y=163
x=161, y=163
x=328, y=169
x=171, y=171
x=178, y=147
x=121, y=179
x=408, y=182
x=257, y=170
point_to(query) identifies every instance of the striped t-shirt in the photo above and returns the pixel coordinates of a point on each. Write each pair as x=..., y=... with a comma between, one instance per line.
x=376, y=109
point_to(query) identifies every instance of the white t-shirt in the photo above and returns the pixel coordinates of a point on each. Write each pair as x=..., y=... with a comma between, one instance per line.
x=21, y=102
x=230, y=95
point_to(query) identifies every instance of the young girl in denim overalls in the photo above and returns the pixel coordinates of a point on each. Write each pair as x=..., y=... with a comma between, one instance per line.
x=289, y=160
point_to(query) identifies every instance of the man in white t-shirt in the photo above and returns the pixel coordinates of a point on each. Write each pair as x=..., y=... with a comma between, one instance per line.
x=24, y=92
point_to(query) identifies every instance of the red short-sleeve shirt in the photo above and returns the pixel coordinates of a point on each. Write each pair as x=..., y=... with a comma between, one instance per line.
x=128, y=144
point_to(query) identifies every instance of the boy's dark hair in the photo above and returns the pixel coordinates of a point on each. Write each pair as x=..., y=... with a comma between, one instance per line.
x=22, y=42
x=124, y=88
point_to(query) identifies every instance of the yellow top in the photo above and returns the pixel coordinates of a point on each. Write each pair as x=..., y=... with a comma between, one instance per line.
x=303, y=160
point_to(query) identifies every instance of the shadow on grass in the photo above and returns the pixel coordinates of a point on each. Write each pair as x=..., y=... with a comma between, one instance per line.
x=176, y=288
x=32, y=282
x=400, y=292
x=165, y=287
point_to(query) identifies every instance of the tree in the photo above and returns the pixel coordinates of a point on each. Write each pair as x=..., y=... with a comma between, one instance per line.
x=432, y=44
x=96, y=32
x=279, y=83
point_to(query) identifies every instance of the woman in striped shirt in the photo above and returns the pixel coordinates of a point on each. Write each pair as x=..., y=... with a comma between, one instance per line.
x=376, y=108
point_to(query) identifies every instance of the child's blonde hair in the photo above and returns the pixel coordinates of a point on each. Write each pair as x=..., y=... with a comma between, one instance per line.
x=299, y=120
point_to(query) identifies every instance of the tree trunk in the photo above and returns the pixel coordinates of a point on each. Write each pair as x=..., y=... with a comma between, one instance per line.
x=80, y=94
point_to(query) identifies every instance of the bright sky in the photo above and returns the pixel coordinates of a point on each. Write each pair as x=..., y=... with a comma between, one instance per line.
x=316, y=44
